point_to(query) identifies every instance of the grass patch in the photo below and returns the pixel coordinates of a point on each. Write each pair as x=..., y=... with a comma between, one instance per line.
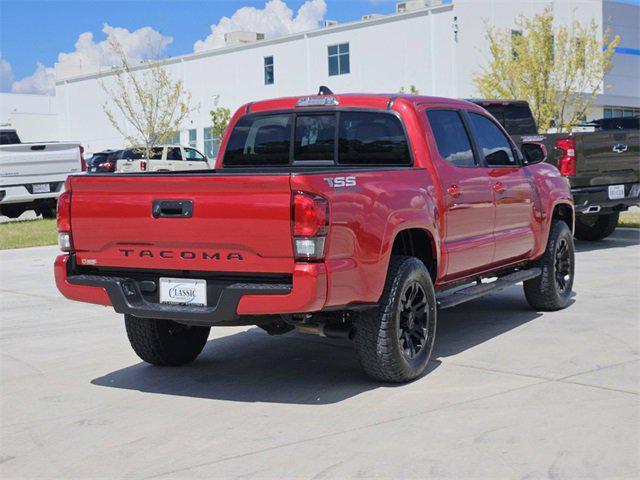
x=630, y=219
x=28, y=233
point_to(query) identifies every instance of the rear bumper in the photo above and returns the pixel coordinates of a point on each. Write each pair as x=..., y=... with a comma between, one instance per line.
x=588, y=199
x=228, y=301
x=24, y=193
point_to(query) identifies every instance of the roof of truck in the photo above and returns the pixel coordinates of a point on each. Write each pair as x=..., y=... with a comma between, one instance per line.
x=364, y=100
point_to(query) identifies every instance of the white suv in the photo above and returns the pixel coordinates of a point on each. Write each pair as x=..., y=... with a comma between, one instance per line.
x=163, y=158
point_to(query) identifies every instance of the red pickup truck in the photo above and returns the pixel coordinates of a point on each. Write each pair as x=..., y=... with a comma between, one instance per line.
x=354, y=216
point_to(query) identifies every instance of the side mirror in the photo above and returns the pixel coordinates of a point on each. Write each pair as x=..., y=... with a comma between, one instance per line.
x=533, y=152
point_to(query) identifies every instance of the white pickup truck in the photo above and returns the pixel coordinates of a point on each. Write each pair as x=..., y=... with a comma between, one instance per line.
x=32, y=175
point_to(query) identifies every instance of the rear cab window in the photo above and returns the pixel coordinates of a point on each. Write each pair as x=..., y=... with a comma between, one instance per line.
x=320, y=138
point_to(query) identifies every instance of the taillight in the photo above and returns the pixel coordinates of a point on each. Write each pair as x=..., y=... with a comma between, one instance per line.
x=309, y=225
x=143, y=166
x=108, y=166
x=83, y=163
x=64, y=219
x=567, y=163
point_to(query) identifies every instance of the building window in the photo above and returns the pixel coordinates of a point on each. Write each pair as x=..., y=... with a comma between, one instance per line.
x=268, y=71
x=339, y=59
x=211, y=145
x=617, y=112
x=516, y=38
x=193, y=138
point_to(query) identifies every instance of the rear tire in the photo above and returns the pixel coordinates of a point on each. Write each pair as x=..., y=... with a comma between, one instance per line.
x=164, y=342
x=395, y=340
x=552, y=289
x=592, y=229
x=12, y=211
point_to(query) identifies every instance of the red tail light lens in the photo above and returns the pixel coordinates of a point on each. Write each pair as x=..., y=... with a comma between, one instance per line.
x=83, y=163
x=108, y=166
x=567, y=163
x=143, y=166
x=310, y=225
x=64, y=219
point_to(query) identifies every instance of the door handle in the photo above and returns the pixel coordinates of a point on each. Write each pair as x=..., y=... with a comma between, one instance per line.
x=498, y=187
x=172, y=208
x=620, y=148
x=454, y=191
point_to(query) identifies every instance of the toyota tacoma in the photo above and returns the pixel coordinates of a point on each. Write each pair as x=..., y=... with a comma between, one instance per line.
x=353, y=216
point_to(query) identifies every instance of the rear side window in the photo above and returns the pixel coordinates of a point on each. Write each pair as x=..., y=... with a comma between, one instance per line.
x=371, y=138
x=493, y=144
x=173, y=153
x=362, y=138
x=9, y=138
x=451, y=137
x=263, y=140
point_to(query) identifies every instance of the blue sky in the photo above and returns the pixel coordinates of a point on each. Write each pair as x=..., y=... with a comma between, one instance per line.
x=36, y=31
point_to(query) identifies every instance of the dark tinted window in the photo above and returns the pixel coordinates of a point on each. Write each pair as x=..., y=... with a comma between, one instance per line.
x=493, y=144
x=371, y=138
x=9, y=138
x=259, y=140
x=515, y=118
x=139, y=153
x=619, y=123
x=315, y=137
x=98, y=158
x=173, y=153
x=451, y=137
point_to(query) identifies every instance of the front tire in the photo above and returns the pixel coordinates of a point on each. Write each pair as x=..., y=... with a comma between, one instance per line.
x=596, y=227
x=164, y=342
x=552, y=289
x=394, y=341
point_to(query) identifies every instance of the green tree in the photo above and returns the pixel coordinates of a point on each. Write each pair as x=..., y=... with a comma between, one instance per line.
x=219, y=121
x=413, y=90
x=151, y=105
x=559, y=70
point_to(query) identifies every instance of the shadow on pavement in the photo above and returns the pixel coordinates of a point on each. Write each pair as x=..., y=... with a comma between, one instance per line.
x=252, y=366
x=622, y=237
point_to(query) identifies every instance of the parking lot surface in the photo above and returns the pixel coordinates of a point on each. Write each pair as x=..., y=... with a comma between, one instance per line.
x=511, y=393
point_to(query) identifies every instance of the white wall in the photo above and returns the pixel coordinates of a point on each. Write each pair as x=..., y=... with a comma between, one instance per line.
x=385, y=54
x=33, y=116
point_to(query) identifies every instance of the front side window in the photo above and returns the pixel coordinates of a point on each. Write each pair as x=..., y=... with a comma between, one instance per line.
x=193, y=154
x=339, y=59
x=262, y=140
x=371, y=138
x=268, y=71
x=315, y=137
x=493, y=144
x=451, y=137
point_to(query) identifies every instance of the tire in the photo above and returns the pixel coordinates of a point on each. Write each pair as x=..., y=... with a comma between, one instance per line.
x=12, y=211
x=47, y=211
x=595, y=227
x=163, y=342
x=552, y=289
x=383, y=336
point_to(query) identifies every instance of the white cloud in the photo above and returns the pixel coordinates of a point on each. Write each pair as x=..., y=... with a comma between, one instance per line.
x=274, y=20
x=43, y=80
x=90, y=56
x=6, y=75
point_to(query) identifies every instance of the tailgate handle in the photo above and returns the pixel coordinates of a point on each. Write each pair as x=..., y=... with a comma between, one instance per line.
x=172, y=208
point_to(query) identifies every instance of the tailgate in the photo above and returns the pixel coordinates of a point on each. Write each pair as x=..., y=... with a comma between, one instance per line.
x=607, y=158
x=238, y=223
x=31, y=163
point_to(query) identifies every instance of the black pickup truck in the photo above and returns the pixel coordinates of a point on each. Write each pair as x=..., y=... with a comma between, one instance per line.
x=602, y=165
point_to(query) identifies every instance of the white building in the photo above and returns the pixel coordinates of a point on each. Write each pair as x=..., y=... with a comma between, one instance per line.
x=438, y=47
x=33, y=116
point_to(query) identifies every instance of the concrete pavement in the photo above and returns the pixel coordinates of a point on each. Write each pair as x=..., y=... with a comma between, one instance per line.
x=511, y=393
